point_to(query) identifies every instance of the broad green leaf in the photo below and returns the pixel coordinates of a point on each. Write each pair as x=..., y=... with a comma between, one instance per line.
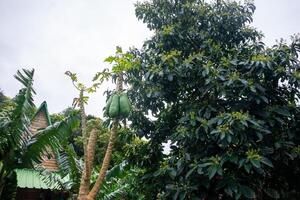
x=266, y=161
x=282, y=111
x=247, y=192
x=272, y=193
x=212, y=171
x=255, y=163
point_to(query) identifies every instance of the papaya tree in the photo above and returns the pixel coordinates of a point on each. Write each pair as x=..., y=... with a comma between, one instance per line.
x=117, y=109
x=227, y=103
x=89, y=139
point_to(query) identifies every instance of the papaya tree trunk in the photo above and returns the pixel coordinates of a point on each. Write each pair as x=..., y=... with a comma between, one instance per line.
x=91, y=147
x=91, y=152
x=85, y=180
x=114, y=130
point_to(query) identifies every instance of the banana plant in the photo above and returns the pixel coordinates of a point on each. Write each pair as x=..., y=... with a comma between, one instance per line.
x=19, y=147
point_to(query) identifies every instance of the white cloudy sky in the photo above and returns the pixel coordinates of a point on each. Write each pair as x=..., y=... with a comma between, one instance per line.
x=53, y=36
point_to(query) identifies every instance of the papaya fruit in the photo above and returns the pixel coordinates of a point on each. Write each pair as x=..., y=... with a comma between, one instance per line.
x=114, y=107
x=125, y=106
x=108, y=105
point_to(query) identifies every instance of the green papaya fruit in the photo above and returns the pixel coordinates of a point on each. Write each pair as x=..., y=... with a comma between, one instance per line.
x=125, y=106
x=108, y=104
x=114, y=107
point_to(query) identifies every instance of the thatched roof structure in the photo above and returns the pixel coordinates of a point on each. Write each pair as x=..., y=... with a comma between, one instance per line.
x=41, y=120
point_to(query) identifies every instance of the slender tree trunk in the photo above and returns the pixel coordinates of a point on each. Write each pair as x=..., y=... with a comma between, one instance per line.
x=91, y=152
x=87, y=171
x=93, y=193
x=105, y=163
x=85, y=180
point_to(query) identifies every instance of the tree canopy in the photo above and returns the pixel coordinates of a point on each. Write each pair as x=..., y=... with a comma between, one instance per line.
x=227, y=103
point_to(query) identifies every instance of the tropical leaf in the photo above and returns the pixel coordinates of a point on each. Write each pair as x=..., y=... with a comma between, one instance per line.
x=17, y=119
x=116, y=171
x=54, y=179
x=69, y=164
x=115, y=194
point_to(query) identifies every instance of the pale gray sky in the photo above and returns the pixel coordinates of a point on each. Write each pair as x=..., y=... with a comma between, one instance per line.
x=53, y=36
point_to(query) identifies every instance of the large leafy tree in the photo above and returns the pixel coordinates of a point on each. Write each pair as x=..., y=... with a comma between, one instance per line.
x=2, y=97
x=225, y=101
x=19, y=148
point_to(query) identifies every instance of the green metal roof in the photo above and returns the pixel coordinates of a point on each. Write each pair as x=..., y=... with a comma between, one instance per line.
x=30, y=178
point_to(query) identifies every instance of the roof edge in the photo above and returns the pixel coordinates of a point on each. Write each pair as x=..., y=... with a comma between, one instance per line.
x=45, y=107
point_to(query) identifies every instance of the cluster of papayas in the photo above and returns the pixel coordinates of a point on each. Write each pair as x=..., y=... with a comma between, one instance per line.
x=118, y=106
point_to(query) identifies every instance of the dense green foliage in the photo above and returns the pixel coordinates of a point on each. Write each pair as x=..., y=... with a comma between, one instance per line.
x=227, y=103
x=123, y=180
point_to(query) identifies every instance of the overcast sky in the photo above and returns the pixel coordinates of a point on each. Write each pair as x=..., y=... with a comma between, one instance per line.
x=54, y=36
